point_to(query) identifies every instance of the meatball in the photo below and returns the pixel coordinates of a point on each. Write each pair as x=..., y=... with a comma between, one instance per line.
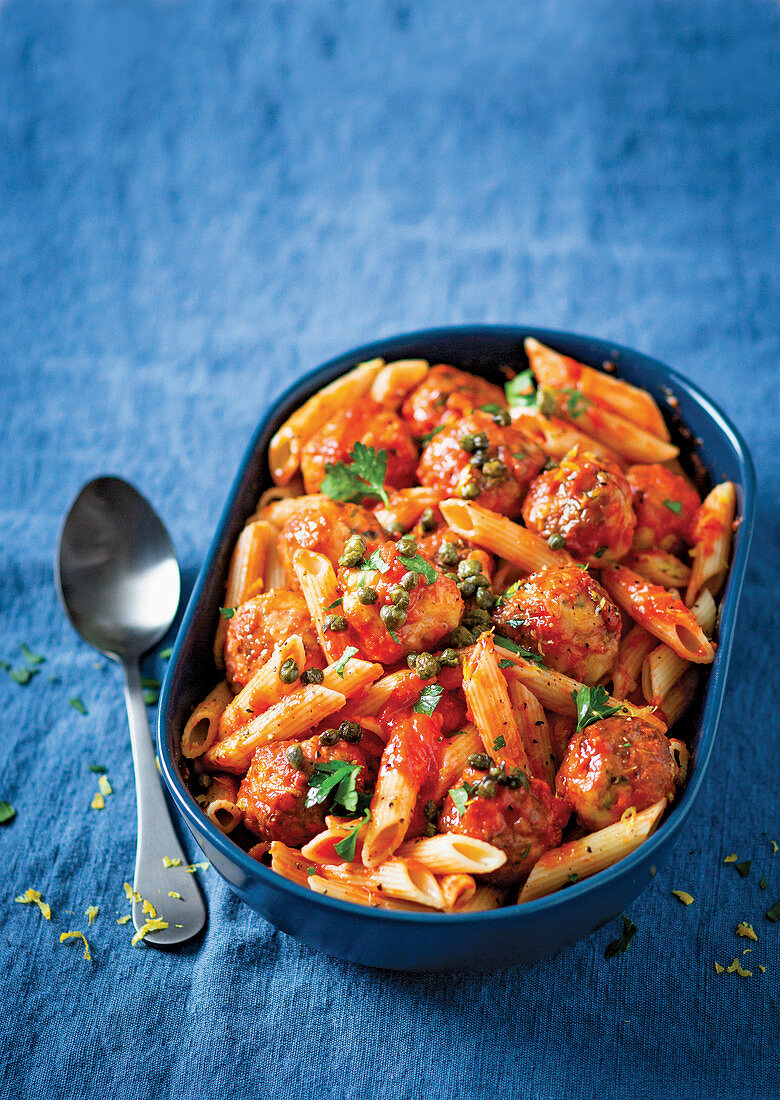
x=613, y=765
x=665, y=506
x=567, y=616
x=367, y=423
x=586, y=502
x=262, y=623
x=482, y=461
x=324, y=526
x=447, y=394
x=403, y=593
x=524, y=823
x=273, y=792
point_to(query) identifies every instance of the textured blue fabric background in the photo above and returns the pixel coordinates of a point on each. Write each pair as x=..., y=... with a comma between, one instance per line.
x=199, y=202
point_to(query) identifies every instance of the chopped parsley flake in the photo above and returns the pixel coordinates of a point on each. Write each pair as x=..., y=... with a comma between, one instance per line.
x=763, y=883
x=33, y=897
x=505, y=663
x=499, y=743
x=346, y=847
x=98, y=769
x=772, y=914
x=363, y=477
x=227, y=612
x=460, y=798
x=743, y=869
x=429, y=699
x=341, y=664
x=165, y=654
x=78, y=705
x=577, y=402
x=429, y=435
x=621, y=945
x=674, y=506
x=415, y=563
x=30, y=657
x=22, y=676
x=336, y=603
x=336, y=778
x=521, y=390
x=77, y=936
x=592, y=705
x=151, y=697
x=521, y=651
x=7, y=813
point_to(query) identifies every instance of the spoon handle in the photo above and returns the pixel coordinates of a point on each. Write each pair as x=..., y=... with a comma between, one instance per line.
x=157, y=840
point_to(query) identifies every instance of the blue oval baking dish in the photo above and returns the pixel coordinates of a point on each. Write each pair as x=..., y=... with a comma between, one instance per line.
x=516, y=934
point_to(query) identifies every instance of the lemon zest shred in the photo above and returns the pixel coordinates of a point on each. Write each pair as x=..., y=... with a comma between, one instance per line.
x=762, y=968
x=719, y=969
x=77, y=936
x=98, y=802
x=747, y=950
x=775, y=849
x=154, y=924
x=33, y=897
x=683, y=896
x=746, y=930
x=131, y=894
x=731, y=859
x=174, y=894
x=169, y=861
x=105, y=787
x=193, y=867
x=147, y=907
x=736, y=968
x=124, y=919
x=91, y=912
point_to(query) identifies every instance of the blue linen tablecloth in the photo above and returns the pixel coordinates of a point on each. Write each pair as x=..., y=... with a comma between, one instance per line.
x=197, y=203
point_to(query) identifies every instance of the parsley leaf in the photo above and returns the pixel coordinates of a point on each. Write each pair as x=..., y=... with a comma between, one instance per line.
x=151, y=697
x=743, y=869
x=521, y=651
x=227, y=612
x=499, y=743
x=341, y=664
x=7, y=813
x=392, y=634
x=77, y=704
x=346, y=847
x=164, y=654
x=417, y=564
x=674, y=506
x=376, y=561
x=429, y=699
x=577, y=402
x=336, y=603
x=592, y=705
x=23, y=676
x=460, y=797
x=150, y=682
x=619, y=946
x=521, y=390
x=491, y=408
x=30, y=657
x=429, y=435
x=505, y=663
x=335, y=777
x=98, y=769
x=363, y=477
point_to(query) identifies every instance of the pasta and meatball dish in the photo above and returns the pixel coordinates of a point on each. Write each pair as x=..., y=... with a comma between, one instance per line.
x=457, y=635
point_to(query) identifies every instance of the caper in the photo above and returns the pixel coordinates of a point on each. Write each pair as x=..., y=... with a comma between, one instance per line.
x=469, y=490
x=429, y=809
x=486, y=789
x=550, y=463
x=312, y=676
x=478, y=459
x=392, y=616
x=411, y=659
x=469, y=568
x=481, y=442
x=296, y=757
x=449, y=658
x=427, y=666
x=351, y=732
x=428, y=520
x=460, y=637
x=288, y=673
x=480, y=760
x=330, y=737
x=448, y=553
x=494, y=469
x=409, y=581
x=467, y=443
x=467, y=587
x=501, y=417
x=366, y=594
x=481, y=581
x=354, y=549
x=399, y=596
x=336, y=623
x=485, y=599
x=475, y=616
x=495, y=773
x=547, y=402
x=556, y=542
x=406, y=546
x=395, y=528
x=430, y=829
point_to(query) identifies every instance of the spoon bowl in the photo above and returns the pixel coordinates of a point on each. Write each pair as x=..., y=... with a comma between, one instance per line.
x=120, y=585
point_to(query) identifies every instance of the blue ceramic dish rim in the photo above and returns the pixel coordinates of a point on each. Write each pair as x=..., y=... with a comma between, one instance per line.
x=314, y=379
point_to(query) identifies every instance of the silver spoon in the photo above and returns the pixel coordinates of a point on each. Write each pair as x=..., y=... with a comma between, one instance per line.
x=119, y=582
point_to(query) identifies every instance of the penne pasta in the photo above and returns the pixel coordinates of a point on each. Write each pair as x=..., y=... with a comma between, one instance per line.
x=219, y=803
x=660, y=612
x=501, y=536
x=263, y=689
x=454, y=759
x=483, y=899
x=394, y=381
x=487, y=695
x=558, y=437
x=634, y=648
x=245, y=576
x=663, y=667
x=534, y=732
x=202, y=726
x=317, y=579
x=361, y=895
x=659, y=567
x=579, y=859
x=284, y=450
x=292, y=716
x=453, y=853
x=406, y=506
x=557, y=371
x=457, y=890
x=561, y=729
x=679, y=697
x=290, y=863
x=391, y=812
x=712, y=533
